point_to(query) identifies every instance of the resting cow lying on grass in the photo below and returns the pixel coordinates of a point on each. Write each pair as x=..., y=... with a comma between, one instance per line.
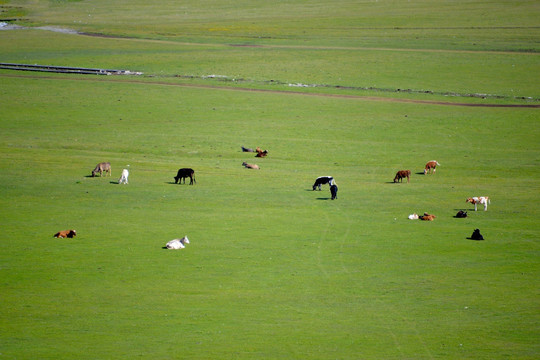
x=427, y=217
x=65, y=234
x=250, y=166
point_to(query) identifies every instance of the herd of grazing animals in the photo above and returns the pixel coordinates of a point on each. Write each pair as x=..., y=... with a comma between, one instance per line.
x=183, y=173
x=430, y=168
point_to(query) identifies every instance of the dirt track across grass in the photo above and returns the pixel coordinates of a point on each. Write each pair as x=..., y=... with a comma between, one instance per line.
x=284, y=92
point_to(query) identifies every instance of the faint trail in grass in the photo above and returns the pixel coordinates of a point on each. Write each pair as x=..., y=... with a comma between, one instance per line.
x=304, y=47
x=396, y=342
x=344, y=238
x=309, y=202
x=322, y=240
x=421, y=339
x=284, y=92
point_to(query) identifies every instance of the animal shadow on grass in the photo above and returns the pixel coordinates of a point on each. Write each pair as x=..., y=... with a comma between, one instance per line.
x=420, y=173
x=325, y=198
x=471, y=209
x=114, y=182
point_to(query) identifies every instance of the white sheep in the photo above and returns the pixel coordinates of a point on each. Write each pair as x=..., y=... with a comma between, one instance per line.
x=177, y=244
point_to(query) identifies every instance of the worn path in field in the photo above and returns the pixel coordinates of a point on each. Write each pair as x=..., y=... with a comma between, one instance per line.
x=360, y=97
x=307, y=47
x=284, y=92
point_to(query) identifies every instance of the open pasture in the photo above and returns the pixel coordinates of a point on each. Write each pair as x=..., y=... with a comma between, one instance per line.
x=274, y=269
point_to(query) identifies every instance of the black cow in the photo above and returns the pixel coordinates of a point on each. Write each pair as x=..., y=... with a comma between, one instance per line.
x=322, y=180
x=183, y=174
x=476, y=235
x=333, y=191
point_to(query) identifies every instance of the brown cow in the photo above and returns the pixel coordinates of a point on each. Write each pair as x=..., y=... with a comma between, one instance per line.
x=402, y=174
x=260, y=152
x=431, y=165
x=102, y=167
x=65, y=234
x=427, y=217
x=250, y=166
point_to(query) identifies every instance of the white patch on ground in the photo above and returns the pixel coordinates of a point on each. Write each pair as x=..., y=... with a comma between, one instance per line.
x=7, y=26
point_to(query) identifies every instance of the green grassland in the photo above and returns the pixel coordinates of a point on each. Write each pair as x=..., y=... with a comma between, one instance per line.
x=274, y=269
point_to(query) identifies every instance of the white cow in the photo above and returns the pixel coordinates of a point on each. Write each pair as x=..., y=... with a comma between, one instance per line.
x=124, y=178
x=177, y=244
x=484, y=200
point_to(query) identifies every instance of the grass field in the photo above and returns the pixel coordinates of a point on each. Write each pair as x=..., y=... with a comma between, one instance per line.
x=274, y=269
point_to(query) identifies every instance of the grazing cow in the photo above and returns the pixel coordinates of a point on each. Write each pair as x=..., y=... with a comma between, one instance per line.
x=323, y=180
x=484, y=200
x=177, y=244
x=124, y=178
x=102, y=167
x=413, y=216
x=244, y=149
x=66, y=234
x=476, y=235
x=402, y=174
x=431, y=165
x=333, y=190
x=183, y=174
x=250, y=166
x=427, y=217
x=260, y=152
x=461, y=214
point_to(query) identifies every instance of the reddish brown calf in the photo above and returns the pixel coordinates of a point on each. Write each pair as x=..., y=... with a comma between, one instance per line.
x=427, y=217
x=65, y=234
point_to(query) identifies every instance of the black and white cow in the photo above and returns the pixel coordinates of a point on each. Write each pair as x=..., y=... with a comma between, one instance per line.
x=323, y=180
